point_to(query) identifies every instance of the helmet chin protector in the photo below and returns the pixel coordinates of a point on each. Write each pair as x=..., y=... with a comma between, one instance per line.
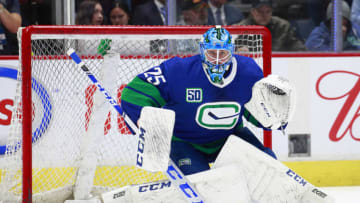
x=216, y=49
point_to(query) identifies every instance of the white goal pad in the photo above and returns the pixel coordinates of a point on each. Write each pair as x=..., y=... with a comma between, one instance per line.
x=268, y=180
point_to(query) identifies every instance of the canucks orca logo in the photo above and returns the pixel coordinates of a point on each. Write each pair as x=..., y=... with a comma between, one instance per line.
x=218, y=115
x=43, y=108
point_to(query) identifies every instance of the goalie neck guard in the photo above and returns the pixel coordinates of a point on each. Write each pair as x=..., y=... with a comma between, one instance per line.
x=216, y=49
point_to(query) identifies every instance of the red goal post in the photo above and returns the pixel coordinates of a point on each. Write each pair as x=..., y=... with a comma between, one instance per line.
x=43, y=47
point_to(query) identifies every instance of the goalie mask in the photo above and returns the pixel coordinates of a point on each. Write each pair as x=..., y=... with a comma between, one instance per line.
x=216, y=49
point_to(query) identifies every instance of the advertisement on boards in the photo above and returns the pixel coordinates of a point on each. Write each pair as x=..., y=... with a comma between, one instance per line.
x=327, y=108
x=335, y=116
x=8, y=74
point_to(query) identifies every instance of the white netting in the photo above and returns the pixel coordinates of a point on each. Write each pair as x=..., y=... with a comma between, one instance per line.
x=62, y=100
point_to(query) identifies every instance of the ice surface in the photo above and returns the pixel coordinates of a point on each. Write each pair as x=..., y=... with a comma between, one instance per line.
x=346, y=194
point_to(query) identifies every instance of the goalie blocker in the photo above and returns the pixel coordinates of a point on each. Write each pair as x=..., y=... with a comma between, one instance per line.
x=272, y=102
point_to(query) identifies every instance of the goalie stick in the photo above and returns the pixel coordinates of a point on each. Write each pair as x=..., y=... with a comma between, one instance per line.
x=172, y=172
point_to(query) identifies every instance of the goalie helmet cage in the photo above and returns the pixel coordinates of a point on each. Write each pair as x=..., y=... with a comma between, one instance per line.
x=54, y=101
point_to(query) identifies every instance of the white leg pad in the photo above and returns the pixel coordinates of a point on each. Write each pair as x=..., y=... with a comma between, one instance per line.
x=268, y=180
x=84, y=201
x=223, y=184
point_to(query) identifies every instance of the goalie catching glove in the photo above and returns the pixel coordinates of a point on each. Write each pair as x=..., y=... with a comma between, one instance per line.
x=272, y=102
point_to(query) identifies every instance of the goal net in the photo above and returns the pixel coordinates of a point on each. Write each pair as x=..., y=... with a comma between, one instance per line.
x=54, y=130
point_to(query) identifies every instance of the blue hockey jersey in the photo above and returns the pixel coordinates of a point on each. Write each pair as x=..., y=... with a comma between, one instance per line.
x=204, y=112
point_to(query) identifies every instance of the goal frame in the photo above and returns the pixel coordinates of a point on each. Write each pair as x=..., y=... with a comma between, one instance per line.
x=111, y=30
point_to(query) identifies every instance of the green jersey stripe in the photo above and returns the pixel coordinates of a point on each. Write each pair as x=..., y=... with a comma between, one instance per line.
x=142, y=93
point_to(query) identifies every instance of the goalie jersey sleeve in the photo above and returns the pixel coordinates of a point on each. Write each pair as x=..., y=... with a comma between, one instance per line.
x=204, y=112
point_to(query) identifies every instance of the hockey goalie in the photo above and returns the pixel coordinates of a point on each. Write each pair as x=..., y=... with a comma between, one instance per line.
x=210, y=94
x=193, y=110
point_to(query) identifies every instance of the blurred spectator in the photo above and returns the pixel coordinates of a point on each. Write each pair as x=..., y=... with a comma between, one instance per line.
x=221, y=13
x=107, y=5
x=302, y=21
x=320, y=37
x=152, y=12
x=36, y=12
x=10, y=21
x=135, y=3
x=282, y=34
x=315, y=10
x=355, y=12
x=119, y=13
x=193, y=12
x=90, y=13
